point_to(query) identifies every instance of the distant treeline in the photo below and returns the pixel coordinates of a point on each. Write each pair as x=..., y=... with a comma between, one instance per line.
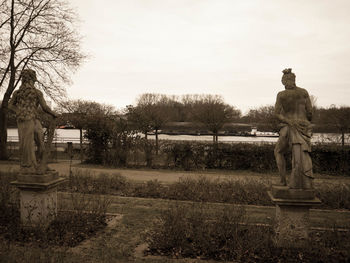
x=154, y=112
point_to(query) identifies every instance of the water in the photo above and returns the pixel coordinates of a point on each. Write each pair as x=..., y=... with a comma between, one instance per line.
x=61, y=135
x=72, y=135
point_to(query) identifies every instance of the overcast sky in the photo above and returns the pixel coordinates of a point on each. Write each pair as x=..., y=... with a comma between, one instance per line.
x=234, y=48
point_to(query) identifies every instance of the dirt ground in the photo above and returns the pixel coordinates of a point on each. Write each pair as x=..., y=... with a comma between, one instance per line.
x=165, y=176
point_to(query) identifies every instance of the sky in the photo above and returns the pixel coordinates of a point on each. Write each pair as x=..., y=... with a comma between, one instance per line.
x=233, y=48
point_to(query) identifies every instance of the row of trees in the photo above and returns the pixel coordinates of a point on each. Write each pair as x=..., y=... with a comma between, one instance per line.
x=112, y=135
x=153, y=111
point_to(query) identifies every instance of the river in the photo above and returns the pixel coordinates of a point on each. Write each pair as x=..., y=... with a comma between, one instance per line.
x=72, y=135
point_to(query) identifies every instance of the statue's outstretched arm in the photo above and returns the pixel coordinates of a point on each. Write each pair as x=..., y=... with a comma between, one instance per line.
x=44, y=106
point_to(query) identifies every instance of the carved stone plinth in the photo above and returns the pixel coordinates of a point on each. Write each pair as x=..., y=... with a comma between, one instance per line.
x=38, y=198
x=292, y=215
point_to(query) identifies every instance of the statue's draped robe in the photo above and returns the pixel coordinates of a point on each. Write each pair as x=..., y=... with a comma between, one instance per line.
x=300, y=133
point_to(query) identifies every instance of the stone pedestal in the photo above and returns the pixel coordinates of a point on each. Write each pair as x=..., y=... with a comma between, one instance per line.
x=38, y=197
x=292, y=215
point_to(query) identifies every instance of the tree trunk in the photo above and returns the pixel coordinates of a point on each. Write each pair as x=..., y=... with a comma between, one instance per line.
x=3, y=132
x=4, y=115
x=81, y=145
x=156, y=142
x=215, y=137
x=9, y=90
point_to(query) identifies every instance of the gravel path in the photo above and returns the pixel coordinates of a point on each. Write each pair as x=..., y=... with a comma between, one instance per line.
x=166, y=176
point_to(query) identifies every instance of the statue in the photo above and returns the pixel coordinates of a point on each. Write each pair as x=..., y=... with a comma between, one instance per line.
x=293, y=109
x=26, y=103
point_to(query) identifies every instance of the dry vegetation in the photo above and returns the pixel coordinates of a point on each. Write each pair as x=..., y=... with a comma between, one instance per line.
x=174, y=230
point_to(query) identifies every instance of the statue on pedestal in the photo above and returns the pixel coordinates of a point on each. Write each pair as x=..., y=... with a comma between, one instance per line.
x=293, y=108
x=26, y=102
x=293, y=200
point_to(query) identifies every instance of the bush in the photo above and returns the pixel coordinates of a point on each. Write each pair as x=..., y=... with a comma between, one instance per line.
x=9, y=204
x=197, y=231
x=88, y=183
x=334, y=196
x=113, y=142
x=68, y=228
x=203, y=189
x=228, y=191
x=330, y=158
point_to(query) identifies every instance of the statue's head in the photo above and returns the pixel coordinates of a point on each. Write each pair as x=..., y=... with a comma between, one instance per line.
x=288, y=78
x=28, y=75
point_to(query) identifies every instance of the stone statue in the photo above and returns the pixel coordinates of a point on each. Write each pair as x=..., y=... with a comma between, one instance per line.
x=25, y=102
x=293, y=109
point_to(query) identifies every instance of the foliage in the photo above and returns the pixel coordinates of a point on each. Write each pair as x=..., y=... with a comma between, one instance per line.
x=263, y=117
x=240, y=156
x=336, y=117
x=202, y=189
x=69, y=228
x=334, y=196
x=9, y=204
x=196, y=231
x=110, y=136
x=79, y=112
x=213, y=113
x=151, y=113
x=98, y=132
x=40, y=35
x=330, y=159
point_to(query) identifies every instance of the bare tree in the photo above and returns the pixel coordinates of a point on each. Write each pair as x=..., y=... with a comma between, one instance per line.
x=139, y=119
x=339, y=117
x=213, y=113
x=80, y=112
x=156, y=111
x=263, y=117
x=41, y=35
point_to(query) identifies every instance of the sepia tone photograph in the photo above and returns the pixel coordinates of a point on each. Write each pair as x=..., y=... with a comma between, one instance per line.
x=175, y=131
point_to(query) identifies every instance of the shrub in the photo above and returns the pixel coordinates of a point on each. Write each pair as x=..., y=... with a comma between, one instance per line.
x=334, y=196
x=86, y=216
x=203, y=189
x=9, y=205
x=199, y=231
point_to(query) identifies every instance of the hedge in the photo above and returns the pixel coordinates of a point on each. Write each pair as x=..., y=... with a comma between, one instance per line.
x=330, y=159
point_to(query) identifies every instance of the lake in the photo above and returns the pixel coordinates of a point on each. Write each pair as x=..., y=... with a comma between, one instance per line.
x=72, y=135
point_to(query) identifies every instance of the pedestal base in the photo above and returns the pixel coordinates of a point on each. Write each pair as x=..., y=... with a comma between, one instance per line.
x=38, y=198
x=292, y=215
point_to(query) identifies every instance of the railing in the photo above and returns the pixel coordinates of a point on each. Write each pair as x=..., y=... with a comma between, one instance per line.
x=55, y=139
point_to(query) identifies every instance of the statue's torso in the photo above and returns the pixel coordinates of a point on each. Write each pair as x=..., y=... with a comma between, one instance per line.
x=293, y=102
x=27, y=103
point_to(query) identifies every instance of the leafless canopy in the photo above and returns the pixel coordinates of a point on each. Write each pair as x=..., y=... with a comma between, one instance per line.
x=41, y=35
